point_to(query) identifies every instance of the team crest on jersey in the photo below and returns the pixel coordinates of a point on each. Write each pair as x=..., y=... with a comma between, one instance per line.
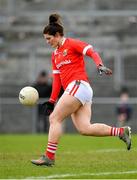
x=65, y=52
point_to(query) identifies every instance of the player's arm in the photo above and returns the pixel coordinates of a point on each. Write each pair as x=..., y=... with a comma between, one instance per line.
x=56, y=87
x=86, y=49
x=48, y=106
x=98, y=61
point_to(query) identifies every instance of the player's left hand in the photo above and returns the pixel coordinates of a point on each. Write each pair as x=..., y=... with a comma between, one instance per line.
x=103, y=69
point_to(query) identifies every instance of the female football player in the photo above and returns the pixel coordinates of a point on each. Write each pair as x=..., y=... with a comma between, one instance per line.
x=69, y=71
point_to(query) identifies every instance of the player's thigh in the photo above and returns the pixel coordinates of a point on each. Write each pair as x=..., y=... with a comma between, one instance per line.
x=81, y=118
x=66, y=105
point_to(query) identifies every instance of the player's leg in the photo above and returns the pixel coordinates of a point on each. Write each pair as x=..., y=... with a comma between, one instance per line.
x=81, y=119
x=66, y=105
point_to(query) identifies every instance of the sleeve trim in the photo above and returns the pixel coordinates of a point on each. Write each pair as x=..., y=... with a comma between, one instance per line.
x=86, y=48
x=56, y=72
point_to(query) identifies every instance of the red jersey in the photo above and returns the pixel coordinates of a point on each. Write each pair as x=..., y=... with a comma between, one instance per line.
x=68, y=61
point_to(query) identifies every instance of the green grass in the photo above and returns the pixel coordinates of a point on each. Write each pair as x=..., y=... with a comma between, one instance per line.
x=78, y=157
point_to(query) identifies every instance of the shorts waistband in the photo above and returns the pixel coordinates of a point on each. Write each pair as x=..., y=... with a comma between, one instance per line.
x=83, y=82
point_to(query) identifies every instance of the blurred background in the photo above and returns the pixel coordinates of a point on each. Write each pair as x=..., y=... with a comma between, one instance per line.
x=110, y=26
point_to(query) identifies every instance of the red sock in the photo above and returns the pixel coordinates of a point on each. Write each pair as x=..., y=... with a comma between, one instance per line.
x=51, y=150
x=116, y=131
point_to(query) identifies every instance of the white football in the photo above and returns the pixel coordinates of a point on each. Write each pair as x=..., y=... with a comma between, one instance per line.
x=28, y=96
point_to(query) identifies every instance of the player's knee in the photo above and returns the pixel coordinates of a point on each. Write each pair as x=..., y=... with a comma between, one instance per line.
x=53, y=118
x=82, y=131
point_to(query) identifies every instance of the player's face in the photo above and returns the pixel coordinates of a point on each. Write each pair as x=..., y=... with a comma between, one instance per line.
x=53, y=41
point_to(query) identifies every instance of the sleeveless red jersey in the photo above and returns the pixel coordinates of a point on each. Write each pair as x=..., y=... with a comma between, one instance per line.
x=68, y=61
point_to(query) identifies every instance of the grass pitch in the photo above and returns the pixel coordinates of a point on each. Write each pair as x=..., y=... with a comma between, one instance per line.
x=78, y=157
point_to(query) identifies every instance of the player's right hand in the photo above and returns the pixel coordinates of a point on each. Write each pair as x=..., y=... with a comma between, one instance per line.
x=47, y=108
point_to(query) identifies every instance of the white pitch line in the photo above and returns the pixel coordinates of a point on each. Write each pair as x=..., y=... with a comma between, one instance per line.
x=102, y=151
x=82, y=174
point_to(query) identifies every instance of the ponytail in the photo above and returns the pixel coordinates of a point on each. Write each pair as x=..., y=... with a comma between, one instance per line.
x=55, y=19
x=54, y=26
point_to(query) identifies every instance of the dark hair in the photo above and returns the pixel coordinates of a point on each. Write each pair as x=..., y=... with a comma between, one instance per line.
x=124, y=89
x=54, y=25
x=43, y=73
